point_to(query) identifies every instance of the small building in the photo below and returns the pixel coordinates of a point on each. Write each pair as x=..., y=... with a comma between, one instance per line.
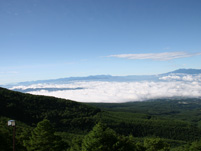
x=11, y=123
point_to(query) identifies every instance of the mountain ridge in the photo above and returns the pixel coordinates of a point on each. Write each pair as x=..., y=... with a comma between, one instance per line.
x=30, y=109
x=108, y=78
x=187, y=71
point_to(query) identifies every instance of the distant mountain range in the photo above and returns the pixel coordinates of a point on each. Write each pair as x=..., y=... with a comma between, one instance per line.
x=107, y=88
x=179, y=72
x=186, y=71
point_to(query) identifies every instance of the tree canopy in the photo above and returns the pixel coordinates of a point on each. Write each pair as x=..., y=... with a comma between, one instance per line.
x=43, y=138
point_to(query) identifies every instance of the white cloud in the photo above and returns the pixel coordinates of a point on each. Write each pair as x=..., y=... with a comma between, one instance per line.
x=44, y=85
x=188, y=78
x=97, y=91
x=182, y=77
x=157, y=56
x=170, y=77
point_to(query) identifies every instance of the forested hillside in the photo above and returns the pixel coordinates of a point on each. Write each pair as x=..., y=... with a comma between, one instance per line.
x=163, y=124
x=66, y=115
x=177, y=119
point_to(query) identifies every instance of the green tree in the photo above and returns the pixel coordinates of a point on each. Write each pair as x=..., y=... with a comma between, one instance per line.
x=100, y=138
x=195, y=146
x=125, y=143
x=156, y=144
x=44, y=139
x=5, y=140
x=76, y=144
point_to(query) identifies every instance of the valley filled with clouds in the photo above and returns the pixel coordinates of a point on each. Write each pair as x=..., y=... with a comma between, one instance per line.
x=167, y=86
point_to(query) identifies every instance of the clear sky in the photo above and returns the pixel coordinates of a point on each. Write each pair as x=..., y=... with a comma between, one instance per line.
x=48, y=39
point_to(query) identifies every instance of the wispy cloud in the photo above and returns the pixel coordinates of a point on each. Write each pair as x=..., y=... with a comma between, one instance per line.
x=157, y=56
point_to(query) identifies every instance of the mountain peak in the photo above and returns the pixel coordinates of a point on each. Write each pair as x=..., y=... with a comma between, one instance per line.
x=187, y=71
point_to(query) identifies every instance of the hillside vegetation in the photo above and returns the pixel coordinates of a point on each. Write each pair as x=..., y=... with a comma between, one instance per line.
x=65, y=115
x=163, y=124
x=177, y=119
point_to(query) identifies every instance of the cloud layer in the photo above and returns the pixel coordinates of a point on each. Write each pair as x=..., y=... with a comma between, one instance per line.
x=157, y=56
x=116, y=92
x=181, y=77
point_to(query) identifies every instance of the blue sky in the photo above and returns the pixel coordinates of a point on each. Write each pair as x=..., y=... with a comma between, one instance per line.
x=47, y=39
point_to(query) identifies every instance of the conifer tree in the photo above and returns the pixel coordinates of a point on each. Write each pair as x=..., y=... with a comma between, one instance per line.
x=156, y=144
x=100, y=138
x=5, y=141
x=44, y=139
x=195, y=146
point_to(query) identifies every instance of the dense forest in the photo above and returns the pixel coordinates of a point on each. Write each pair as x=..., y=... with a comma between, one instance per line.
x=48, y=123
x=30, y=109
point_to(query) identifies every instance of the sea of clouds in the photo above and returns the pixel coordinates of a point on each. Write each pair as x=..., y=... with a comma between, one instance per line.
x=182, y=77
x=118, y=92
